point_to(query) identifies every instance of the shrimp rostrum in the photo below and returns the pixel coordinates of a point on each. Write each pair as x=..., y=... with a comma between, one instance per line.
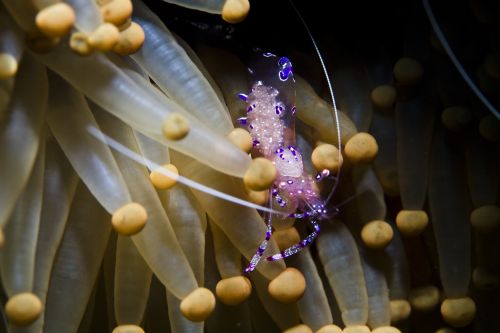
x=270, y=120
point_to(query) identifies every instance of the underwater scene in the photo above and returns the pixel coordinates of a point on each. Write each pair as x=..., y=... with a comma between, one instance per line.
x=236, y=166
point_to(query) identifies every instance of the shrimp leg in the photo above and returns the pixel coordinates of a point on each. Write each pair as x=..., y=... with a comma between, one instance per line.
x=262, y=247
x=300, y=245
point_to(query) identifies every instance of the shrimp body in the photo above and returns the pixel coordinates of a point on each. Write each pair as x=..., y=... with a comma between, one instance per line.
x=270, y=119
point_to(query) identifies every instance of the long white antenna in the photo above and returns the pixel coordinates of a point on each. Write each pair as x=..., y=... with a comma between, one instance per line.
x=454, y=60
x=332, y=96
x=181, y=179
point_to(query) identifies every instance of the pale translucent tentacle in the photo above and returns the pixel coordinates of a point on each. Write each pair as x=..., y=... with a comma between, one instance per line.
x=77, y=263
x=20, y=132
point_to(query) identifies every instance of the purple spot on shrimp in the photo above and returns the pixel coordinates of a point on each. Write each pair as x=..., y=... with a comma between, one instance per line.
x=256, y=143
x=243, y=97
x=283, y=75
x=278, y=111
x=250, y=108
x=294, y=110
x=283, y=61
x=242, y=120
x=250, y=126
x=286, y=68
x=268, y=235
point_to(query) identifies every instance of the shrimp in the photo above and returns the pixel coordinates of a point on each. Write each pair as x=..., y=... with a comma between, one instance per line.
x=270, y=121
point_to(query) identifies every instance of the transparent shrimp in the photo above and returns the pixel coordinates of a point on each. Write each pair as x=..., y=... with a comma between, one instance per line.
x=270, y=117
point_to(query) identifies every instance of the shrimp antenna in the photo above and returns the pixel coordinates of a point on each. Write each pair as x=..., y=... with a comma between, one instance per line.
x=330, y=89
x=181, y=179
x=442, y=39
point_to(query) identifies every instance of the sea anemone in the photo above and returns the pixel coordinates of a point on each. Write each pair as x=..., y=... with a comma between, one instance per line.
x=120, y=144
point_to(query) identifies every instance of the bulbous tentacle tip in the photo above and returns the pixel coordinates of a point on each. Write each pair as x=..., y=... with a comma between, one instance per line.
x=400, y=310
x=128, y=329
x=408, y=71
x=23, y=309
x=130, y=40
x=8, y=65
x=356, y=329
x=241, y=138
x=286, y=238
x=176, y=126
x=326, y=156
x=384, y=96
x=55, y=20
x=116, y=11
x=165, y=177
x=105, y=37
x=233, y=290
x=361, y=148
x=331, y=328
x=424, y=298
x=288, y=286
x=129, y=219
x=458, y=312
x=198, y=305
x=412, y=222
x=235, y=11
x=386, y=329
x=377, y=234
x=260, y=175
x=301, y=328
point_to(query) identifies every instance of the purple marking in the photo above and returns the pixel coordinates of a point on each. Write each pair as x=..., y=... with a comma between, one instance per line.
x=286, y=69
x=268, y=54
x=256, y=143
x=294, y=110
x=243, y=120
x=243, y=97
x=290, y=182
x=250, y=108
x=250, y=126
x=278, y=111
